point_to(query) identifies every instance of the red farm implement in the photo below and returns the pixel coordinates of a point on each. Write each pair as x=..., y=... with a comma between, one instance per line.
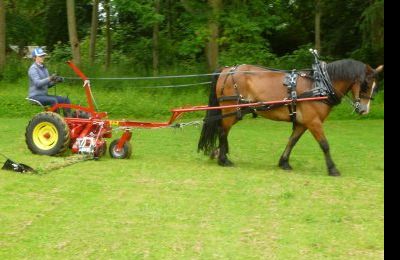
x=49, y=133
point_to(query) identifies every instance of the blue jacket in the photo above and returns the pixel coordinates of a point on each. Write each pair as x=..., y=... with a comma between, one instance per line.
x=39, y=81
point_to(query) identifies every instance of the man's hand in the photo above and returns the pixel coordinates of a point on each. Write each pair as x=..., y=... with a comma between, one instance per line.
x=59, y=79
x=56, y=79
x=52, y=78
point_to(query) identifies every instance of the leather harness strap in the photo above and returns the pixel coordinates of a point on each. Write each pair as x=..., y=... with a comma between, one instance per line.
x=291, y=81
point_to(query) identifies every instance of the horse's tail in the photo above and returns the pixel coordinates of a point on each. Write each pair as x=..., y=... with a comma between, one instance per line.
x=213, y=120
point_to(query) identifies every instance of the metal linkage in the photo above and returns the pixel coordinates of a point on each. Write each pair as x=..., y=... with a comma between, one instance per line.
x=192, y=123
x=86, y=145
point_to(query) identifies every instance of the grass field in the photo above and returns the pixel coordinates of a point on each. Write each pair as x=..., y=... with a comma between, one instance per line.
x=126, y=99
x=169, y=202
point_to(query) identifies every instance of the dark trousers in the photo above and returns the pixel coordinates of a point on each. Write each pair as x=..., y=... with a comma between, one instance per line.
x=51, y=100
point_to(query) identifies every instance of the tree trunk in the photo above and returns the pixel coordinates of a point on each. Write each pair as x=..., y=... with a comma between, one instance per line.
x=73, y=34
x=213, y=26
x=156, y=37
x=2, y=35
x=187, y=6
x=170, y=18
x=108, y=33
x=318, y=14
x=93, y=31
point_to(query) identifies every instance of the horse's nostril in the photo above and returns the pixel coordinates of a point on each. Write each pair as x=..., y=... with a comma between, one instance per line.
x=363, y=111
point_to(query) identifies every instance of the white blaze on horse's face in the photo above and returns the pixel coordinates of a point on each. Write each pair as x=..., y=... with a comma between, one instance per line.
x=371, y=92
x=370, y=98
x=364, y=99
x=366, y=91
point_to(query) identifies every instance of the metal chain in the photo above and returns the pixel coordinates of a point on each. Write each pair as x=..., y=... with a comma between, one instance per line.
x=192, y=123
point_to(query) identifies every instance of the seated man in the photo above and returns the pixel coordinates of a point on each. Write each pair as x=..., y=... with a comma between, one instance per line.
x=40, y=82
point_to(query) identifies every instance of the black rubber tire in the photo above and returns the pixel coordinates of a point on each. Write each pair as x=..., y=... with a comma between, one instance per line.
x=125, y=153
x=53, y=125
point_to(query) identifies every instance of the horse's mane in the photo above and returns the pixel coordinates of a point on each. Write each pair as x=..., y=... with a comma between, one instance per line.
x=347, y=69
x=279, y=70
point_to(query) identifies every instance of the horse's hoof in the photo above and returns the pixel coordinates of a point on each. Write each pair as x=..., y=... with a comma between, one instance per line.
x=214, y=154
x=334, y=172
x=225, y=163
x=285, y=166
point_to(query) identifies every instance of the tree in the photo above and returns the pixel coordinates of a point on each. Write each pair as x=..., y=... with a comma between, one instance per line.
x=55, y=26
x=24, y=23
x=213, y=25
x=73, y=34
x=2, y=35
x=93, y=31
x=141, y=24
x=108, y=32
x=151, y=35
x=341, y=34
x=245, y=31
x=372, y=28
x=156, y=39
x=318, y=14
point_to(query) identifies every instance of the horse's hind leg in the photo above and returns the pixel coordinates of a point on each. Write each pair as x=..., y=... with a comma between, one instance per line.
x=319, y=135
x=223, y=151
x=295, y=136
x=223, y=143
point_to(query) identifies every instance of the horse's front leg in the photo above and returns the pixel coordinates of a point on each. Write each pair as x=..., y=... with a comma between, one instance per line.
x=318, y=133
x=295, y=136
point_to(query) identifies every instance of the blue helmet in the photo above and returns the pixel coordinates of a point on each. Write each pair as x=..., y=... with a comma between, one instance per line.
x=38, y=52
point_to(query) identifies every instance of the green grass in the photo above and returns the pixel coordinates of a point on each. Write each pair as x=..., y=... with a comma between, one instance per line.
x=169, y=202
x=124, y=99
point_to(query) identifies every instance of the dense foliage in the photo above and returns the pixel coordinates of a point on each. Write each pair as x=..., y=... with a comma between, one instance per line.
x=271, y=33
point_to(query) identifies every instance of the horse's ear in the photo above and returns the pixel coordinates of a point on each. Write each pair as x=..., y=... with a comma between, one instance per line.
x=379, y=69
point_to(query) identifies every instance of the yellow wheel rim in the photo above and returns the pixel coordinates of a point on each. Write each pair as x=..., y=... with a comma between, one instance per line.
x=45, y=136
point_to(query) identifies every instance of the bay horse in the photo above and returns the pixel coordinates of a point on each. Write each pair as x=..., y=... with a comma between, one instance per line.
x=250, y=83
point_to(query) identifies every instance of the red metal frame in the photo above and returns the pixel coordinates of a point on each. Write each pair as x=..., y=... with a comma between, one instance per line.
x=100, y=126
x=88, y=91
x=86, y=84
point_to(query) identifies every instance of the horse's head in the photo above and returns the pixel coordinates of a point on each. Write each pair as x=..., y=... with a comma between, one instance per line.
x=364, y=89
x=357, y=77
